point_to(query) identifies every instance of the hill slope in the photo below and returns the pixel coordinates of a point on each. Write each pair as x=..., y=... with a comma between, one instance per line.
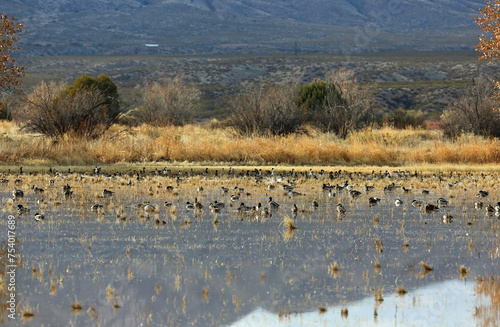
x=58, y=27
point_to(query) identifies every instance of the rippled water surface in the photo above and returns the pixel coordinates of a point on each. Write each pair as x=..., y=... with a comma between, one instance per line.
x=173, y=266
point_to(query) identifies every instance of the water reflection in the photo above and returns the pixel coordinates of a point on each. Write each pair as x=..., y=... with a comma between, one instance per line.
x=136, y=260
x=427, y=306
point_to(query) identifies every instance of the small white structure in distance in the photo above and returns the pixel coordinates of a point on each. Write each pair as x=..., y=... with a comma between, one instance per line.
x=151, y=45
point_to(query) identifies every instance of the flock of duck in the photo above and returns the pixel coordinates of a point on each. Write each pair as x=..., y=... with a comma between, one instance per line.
x=286, y=180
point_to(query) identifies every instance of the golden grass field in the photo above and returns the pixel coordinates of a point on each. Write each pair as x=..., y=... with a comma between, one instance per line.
x=195, y=144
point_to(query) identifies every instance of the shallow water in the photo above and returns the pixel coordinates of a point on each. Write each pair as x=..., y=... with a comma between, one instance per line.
x=129, y=268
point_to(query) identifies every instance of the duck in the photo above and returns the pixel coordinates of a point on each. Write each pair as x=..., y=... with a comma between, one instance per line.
x=189, y=206
x=22, y=210
x=340, y=208
x=447, y=218
x=39, y=216
x=245, y=208
x=235, y=198
x=67, y=193
x=478, y=205
x=315, y=204
x=482, y=194
x=373, y=201
x=442, y=202
x=369, y=188
x=398, y=202
x=272, y=204
x=167, y=204
x=96, y=207
x=224, y=190
x=149, y=208
x=406, y=190
x=430, y=208
x=17, y=193
x=66, y=188
x=295, y=209
x=197, y=204
x=354, y=193
x=107, y=193
x=490, y=209
x=212, y=207
x=37, y=190
x=416, y=203
x=219, y=205
x=328, y=187
x=390, y=187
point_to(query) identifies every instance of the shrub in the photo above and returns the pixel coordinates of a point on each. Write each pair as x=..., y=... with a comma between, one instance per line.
x=4, y=112
x=86, y=108
x=474, y=112
x=170, y=103
x=338, y=104
x=103, y=85
x=266, y=111
x=402, y=118
x=314, y=96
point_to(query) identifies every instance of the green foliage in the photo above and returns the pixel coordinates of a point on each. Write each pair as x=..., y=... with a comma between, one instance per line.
x=338, y=104
x=106, y=88
x=4, y=112
x=316, y=95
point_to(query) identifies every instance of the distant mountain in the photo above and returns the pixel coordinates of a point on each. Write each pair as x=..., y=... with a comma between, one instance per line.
x=62, y=27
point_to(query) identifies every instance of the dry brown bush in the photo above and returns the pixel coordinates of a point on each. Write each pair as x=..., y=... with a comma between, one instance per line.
x=172, y=102
x=266, y=111
x=474, y=112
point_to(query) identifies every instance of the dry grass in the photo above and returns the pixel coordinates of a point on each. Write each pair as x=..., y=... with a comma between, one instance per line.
x=194, y=143
x=488, y=314
x=425, y=266
x=401, y=290
x=289, y=223
x=463, y=272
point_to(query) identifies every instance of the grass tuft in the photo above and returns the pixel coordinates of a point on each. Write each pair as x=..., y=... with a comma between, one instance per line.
x=425, y=266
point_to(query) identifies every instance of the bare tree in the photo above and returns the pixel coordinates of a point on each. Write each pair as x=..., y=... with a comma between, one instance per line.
x=473, y=112
x=172, y=102
x=266, y=111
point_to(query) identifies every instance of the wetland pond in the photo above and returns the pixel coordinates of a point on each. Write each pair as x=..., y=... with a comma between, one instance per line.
x=137, y=261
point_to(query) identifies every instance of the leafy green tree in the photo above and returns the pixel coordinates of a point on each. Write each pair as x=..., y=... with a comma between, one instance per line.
x=338, y=104
x=103, y=85
x=314, y=96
